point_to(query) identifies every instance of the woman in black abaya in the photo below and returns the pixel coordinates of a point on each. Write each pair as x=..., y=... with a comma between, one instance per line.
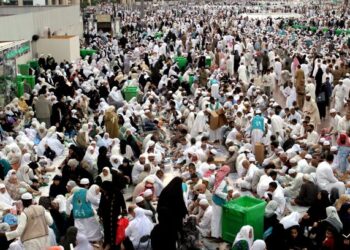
x=171, y=203
x=111, y=206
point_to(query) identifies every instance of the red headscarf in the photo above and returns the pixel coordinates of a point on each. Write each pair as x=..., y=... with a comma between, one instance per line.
x=220, y=175
x=343, y=140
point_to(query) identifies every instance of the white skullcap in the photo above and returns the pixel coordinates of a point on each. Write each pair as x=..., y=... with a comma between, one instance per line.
x=326, y=143
x=332, y=111
x=232, y=149
x=203, y=202
x=294, y=137
x=213, y=151
x=201, y=196
x=309, y=157
x=334, y=148
x=149, y=179
x=293, y=160
x=252, y=158
x=27, y=196
x=147, y=193
x=308, y=94
x=84, y=181
x=139, y=199
x=292, y=171
x=229, y=188
x=2, y=185
x=322, y=140
x=258, y=111
x=212, y=166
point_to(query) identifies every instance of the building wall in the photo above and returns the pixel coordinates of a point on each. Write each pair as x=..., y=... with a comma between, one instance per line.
x=60, y=48
x=28, y=21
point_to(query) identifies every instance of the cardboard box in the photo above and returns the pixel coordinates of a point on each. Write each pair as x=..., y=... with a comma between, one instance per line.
x=214, y=120
x=259, y=152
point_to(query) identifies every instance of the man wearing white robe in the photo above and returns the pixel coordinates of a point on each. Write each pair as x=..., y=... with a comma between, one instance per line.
x=277, y=125
x=246, y=181
x=295, y=183
x=90, y=227
x=204, y=224
x=310, y=109
x=325, y=177
x=339, y=95
x=41, y=242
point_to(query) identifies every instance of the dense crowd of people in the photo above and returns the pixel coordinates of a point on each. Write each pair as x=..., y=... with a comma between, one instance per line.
x=225, y=106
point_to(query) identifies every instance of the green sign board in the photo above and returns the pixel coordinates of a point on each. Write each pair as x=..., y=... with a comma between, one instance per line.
x=17, y=50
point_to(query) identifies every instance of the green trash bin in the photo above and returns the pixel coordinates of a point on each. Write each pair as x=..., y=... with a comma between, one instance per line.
x=208, y=62
x=30, y=80
x=33, y=63
x=313, y=29
x=181, y=62
x=23, y=69
x=20, y=89
x=87, y=52
x=243, y=211
x=338, y=32
x=158, y=35
x=130, y=92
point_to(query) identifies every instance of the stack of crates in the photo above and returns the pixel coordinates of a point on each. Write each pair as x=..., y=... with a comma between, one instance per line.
x=243, y=211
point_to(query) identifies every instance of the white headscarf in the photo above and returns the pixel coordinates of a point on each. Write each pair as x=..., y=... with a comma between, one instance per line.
x=259, y=245
x=25, y=173
x=290, y=220
x=61, y=201
x=93, y=197
x=108, y=177
x=139, y=226
x=5, y=197
x=244, y=235
x=83, y=243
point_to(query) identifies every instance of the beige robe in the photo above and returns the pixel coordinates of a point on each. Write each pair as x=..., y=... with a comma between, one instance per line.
x=310, y=109
x=111, y=123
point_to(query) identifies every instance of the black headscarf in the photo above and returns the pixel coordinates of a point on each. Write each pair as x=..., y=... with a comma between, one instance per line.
x=318, y=210
x=172, y=198
x=344, y=216
x=70, y=238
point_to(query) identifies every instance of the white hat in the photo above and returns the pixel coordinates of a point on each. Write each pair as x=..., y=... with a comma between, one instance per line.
x=232, y=148
x=27, y=196
x=292, y=171
x=332, y=111
x=334, y=148
x=201, y=196
x=212, y=166
x=203, y=202
x=258, y=111
x=229, y=188
x=308, y=94
x=2, y=185
x=293, y=160
x=84, y=181
x=309, y=157
x=139, y=199
x=213, y=151
x=149, y=179
x=322, y=140
x=147, y=193
x=326, y=143
x=252, y=158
